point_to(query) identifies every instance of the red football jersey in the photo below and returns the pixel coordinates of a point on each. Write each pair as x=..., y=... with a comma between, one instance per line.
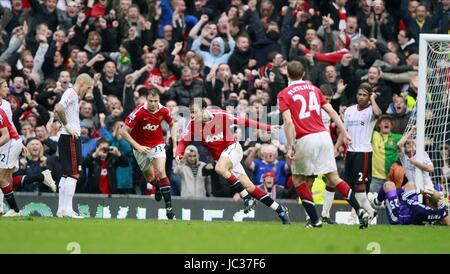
x=146, y=125
x=216, y=135
x=305, y=102
x=4, y=123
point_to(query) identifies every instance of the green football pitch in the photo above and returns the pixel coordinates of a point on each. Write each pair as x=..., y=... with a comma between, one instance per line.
x=52, y=235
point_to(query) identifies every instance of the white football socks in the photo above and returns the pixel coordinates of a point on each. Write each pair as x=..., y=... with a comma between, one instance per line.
x=71, y=185
x=62, y=193
x=361, y=197
x=328, y=198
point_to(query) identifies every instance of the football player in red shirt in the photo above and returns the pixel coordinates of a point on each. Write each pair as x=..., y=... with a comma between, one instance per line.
x=142, y=129
x=213, y=130
x=10, y=149
x=301, y=105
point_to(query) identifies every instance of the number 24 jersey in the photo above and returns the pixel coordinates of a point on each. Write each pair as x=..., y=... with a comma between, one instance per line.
x=305, y=102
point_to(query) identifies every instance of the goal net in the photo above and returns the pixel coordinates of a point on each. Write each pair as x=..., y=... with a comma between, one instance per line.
x=431, y=116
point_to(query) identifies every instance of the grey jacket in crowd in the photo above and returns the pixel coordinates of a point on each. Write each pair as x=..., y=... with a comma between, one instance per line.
x=193, y=187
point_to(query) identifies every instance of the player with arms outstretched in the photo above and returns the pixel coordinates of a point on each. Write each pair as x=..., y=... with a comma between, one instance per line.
x=300, y=104
x=142, y=129
x=213, y=130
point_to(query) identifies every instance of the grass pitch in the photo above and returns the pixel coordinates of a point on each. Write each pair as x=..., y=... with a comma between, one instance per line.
x=52, y=235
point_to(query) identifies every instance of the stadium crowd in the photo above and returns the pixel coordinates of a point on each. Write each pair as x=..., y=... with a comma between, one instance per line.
x=234, y=53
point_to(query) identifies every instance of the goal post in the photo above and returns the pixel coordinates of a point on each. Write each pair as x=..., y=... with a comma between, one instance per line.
x=433, y=106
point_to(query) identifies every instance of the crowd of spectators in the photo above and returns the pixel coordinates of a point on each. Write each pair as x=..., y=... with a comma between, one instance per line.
x=232, y=52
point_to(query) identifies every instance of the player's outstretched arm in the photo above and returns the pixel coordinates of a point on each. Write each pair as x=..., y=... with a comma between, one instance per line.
x=4, y=138
x=247, y=122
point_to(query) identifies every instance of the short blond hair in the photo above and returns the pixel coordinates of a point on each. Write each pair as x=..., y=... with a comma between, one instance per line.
x=84, y=78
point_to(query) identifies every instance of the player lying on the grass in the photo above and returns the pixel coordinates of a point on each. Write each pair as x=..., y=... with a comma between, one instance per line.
x=403, y=206
x=301, y=104
x=213, y=130
x=142, y=129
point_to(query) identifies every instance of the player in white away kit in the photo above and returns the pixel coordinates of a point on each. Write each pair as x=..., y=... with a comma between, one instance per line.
x=301, y=104
x=69, y=145
x=10, y=149
x=360, y=120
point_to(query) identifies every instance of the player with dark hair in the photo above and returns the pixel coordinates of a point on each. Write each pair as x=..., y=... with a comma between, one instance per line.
x=301, y=104
x=359, y=121
x=142, y=129
x=213, y=130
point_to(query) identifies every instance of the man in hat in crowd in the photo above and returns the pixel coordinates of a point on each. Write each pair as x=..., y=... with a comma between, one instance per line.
x=384, y=150
x=274, y=190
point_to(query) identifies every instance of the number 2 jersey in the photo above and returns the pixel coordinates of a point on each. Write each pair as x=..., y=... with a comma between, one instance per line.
x=146, y=127
x=305, y=102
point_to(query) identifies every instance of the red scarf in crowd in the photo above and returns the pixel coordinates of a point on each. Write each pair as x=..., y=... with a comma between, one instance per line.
x=342, y=14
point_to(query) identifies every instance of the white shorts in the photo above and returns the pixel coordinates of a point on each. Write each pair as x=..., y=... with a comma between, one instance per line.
x=9, y=154
x=314, y=155
x=234, y=153
x=145, y=160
